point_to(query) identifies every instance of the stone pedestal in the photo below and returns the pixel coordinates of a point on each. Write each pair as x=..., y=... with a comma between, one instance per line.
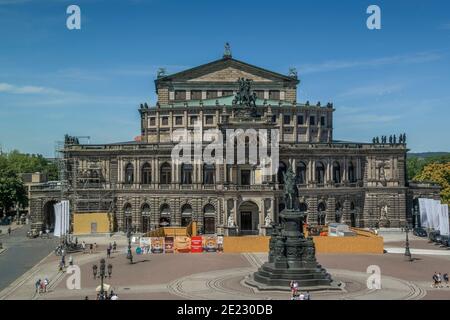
x=291, y=257
x=230, y=231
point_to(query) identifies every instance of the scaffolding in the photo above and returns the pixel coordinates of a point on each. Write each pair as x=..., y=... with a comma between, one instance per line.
x=83, y=179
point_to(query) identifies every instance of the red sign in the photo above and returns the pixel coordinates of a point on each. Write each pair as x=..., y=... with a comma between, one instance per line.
x=196, y=244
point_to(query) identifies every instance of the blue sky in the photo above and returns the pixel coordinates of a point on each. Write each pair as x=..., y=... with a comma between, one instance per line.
x=90, y=81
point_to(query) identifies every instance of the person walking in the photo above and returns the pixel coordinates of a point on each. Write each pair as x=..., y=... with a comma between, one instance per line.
x=301, y=296
x=114, y=246
x=95, y=247
x=9, y=231
x=70, y=260
x=307, y=296
x=439, y=278
x=435, y=280
x=91, y=247
x=108, y=252
x=83, y=246
x=38, y=285
x=445, y=276
x=46, y=282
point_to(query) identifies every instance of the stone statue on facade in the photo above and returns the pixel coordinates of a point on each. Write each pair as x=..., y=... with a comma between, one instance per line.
x=231, y=221
x=245, y=99
x=227, y=50
x=267, y=221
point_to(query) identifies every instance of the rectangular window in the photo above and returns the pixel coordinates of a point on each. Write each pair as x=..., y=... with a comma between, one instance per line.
x=180, y=94
x=274, y=95
x=274, y=118
x=165, y=121
x=178, y=120
x=259, y=94
x=322, y=121
x=196, y=95
x=211, y=94
x=312, y=120
x=227, y=93
x=209, y=119
x=245, y=177
x=300, y=119
x=287, y=120
x=192, y=120
x=152, y=121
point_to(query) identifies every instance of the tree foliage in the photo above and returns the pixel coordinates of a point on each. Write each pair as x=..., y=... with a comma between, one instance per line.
x=12, y=165
x=439, y=173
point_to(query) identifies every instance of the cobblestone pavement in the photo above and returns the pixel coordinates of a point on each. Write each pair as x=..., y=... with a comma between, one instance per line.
x=221, y=276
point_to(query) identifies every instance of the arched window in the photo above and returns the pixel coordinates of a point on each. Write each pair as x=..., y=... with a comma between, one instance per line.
x=351, y=173
x=208, y=174
x=165, y=173
x=209, y=219
x=352, y=215
x=338, y=212
x=281, y=169
x=129, y=174
x=164, y=220
x=128, y=219
x=336, y=172
x=301, y=173
x=146, y=174
x=321, y=214
x=145, y=213
x=303, y=207
x=320, y=172
x=186, y=215
x=186, y=173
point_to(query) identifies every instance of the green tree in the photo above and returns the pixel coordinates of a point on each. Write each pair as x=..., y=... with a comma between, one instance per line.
x=12, y=192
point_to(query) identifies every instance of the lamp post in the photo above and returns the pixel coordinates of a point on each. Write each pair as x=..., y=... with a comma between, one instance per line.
x=407, y=251
x=129, y=253
x=103, y=273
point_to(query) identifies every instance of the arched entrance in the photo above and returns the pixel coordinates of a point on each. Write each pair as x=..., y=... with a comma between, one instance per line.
x=145, y=223
x=186, y=215
x=164, y=220
x=49, y=216
x=248, y=218
x=209, y=220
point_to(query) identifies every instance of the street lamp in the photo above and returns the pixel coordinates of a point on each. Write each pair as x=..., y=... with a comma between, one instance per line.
x=103, y=273
x=129, y=253
x=407, y=251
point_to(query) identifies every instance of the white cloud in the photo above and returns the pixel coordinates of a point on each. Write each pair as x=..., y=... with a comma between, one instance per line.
x=334, y=65
x=373, y=90
x=14, y=89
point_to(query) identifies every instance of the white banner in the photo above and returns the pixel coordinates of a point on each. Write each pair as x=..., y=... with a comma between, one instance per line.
x=444, y=227
x=62, y=217
x=423, y=213
x=436, y=214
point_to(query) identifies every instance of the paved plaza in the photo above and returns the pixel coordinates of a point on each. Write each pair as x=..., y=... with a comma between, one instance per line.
x=222, y=275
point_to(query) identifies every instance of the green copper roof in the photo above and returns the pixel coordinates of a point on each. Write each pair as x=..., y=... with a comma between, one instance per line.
x=227, y=101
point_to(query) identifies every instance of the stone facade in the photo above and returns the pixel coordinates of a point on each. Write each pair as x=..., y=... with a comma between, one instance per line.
x=140, y=185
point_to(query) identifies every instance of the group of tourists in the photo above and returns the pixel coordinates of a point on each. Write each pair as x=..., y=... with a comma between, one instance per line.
x=438, y=278
x=41, y=285
x=92, y=247
x=296, y=294
x=105, y=296
x=111, y=248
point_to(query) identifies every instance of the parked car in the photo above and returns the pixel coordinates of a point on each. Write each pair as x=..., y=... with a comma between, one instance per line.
x=434, y=235
x=444, y=240
x=420, y=232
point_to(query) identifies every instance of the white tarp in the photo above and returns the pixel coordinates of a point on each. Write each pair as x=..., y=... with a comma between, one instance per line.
x=423, y=213
x=444, y=227
x=62, y=216
x=436, y=213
